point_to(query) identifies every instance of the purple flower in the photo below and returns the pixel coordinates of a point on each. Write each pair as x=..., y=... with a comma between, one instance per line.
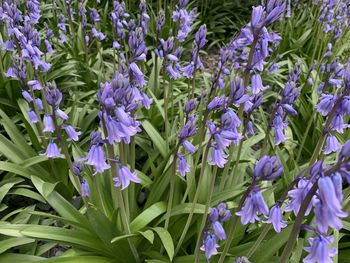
x=332, y=144
x=268, y=168
x=33, y=117
x=39, y=104
x=200, y=37
x=48, y=124
x=328, y=196
x=209, y=246
x=183, y=166
x=73, y=135
x=229, y=120
x=321, y=250
x=345, y=151
x=217, y=158
x=27, y=96
x=53, y=97
x=78, y=167
x=189, y=129
x=254, y=205
x=35, y=84
x=297, y=195
x=137, y=74
x=52, y=151
x=257, y=85
x=190, y=106
x=61, y=114
x=189, y=146
x=276, y=218
x=219, y=231
x=94, y=16
x=96, y=158
x=326, y=104
x=257, y=14
x=85, y=189
x=125, y=176
x=325, y=218
x=223, y=213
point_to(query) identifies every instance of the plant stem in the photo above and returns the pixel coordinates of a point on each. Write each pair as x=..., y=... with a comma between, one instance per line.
x=205, y=215
x=172, y=188
x=194, y=202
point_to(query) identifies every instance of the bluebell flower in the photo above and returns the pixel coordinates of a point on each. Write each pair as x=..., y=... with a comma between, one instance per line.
x=125, y=176
x=254, y=205
x=52, y=151
x=33, y=118
x=96, y=158
x=219, y=231
x=39, y=104
x=332, y=144
x=48, y=124
x=276, y=218
x=78, y=167
x=61, y=114
x=85, y=189
x=268, y=168
x=189, y=128
x=297, y=195
x=189, y=147
x=73, y=135
x=326, y=104
x=328, y=196
x=183, y=167
x=223, y=213
x=257, y=85
x=320, y=250
x=209, y=246
x=217, y=157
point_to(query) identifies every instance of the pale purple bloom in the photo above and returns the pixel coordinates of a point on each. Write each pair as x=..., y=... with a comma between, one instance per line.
x=189, y=128
x=48, y=124
x=217, y=157
x=325, y=218
x=183, y=167
x=35, y=84
x=332, y=144
x=254, y=205
x=268, y=168
x=321, y=250
x=96, y=158
x=219, y=231
x=61, y=114
x=33, y=117
x=189, y=146
x=257, y=85
x=78, y=167
x=85, y=189
x=73, y=135
x=125, y=176
x=328, y=196
x=39, y=104
x=276, y=218
x=297, y=195
x=326, y=104
x=223, y=213
x=209, y=246
x=52, y=151
x=190, y=105
x=200, y=37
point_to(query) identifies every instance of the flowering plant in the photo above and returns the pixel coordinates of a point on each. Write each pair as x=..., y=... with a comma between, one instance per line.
x=128, y=147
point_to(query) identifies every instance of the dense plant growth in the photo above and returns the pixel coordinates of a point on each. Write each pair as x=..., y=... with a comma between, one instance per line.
x=134, y=132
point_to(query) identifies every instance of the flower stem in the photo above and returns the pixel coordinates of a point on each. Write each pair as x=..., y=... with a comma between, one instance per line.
x=205, y=215
x=194, y=202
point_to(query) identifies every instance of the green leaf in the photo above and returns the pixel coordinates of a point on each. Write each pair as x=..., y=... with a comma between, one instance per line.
x=155, y=137
x=167, y=241
x=149, y=235
x=143, y=219
x=14, y=242
x=19, y=258
x=80, y=259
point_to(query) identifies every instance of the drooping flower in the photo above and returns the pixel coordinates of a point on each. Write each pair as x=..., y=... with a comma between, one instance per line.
x=254, y=205
x=48, y=124
x=125, y=176
x=332, y=144
x=321, y=250
x=217, y=157
x=209, y=246
x=276, y=218
x=297, y=195
x=85, y=189
x=73, y=135
x=183, y=166
x=268, y=168
x=52, y=151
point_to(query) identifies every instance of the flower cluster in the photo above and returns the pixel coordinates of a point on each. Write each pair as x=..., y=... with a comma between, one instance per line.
x=218, y=215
